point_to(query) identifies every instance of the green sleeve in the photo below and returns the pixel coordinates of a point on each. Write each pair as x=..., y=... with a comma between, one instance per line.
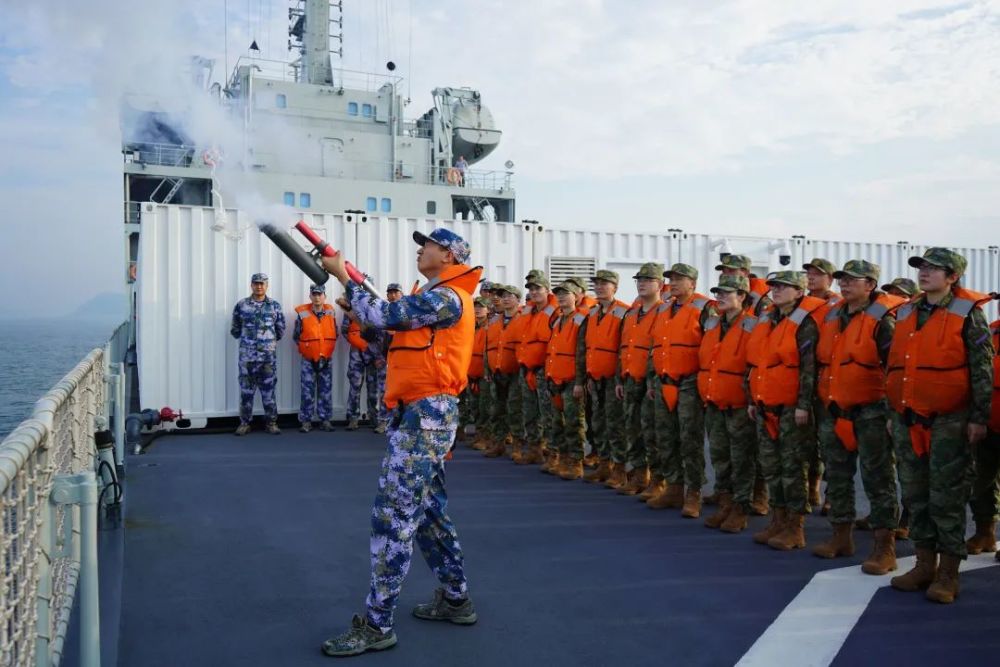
x=807, y=337
x=979, y=348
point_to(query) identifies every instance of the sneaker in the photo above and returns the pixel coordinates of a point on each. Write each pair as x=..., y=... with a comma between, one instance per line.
x=352, y=425
x=380, y=428
x=325, y=425
x=242, y=429
x=306, y=427
x=272, y=428
x=444, y=610
x=361, y=637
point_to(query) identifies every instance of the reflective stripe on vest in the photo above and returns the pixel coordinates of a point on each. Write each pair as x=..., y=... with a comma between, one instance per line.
x=774, y=354
x=722, y=363
x=603, y=338
x=677, y=338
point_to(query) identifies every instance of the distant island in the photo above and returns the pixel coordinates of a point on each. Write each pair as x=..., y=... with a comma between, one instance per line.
x=103, y=307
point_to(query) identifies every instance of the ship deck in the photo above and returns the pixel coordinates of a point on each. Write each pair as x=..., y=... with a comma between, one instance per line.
x=253, y=550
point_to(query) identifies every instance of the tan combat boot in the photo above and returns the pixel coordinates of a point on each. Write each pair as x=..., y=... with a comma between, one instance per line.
x=840, y=544
x=591, y=460
x=736, y=520
x=480, y=443
x=775, y=527
x=551, y=465
x=655, y=487
x=518, y=450
x=759, y=504
x=814, y=499
x=599, y=474
x=617, y=478
x=985, y=539
x=921, y=576
x=882, y=559
x=725, y=501
x=692, y=504
x=793, y=535
x=571, y=470
x=496, y=449
x=637, y=481
x=674, y=499
x=532, y=454
x=663, y=499
x=945, y=586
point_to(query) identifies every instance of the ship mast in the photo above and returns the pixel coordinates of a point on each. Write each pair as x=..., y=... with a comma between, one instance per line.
x=309, y=31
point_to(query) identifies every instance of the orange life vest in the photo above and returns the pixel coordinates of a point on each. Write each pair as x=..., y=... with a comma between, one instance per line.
x=510, y=338
x=995, y=403
x=603, y=337
x=850, y=372
x=928, y=368
x=586, y=303
x=354, y=336
x=677, y=337
x=429, y=361
x=536, y=335
x=318, y=336
x=830, y=302
x=722, y=361
x=560, y=359
x=636, y=341
x=758, y=289
x=476, y=366
x=774, y=355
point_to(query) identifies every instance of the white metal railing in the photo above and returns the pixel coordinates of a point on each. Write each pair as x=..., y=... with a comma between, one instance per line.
x=48, y=535
x=424, y=174
x=167, y=155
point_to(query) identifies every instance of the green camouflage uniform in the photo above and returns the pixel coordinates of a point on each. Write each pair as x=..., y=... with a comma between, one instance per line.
x=875, y=449
x=785, y=461
x=816, y=467
x=638, y=417
x=569, y=424
x=985, y=501
x=937, y=487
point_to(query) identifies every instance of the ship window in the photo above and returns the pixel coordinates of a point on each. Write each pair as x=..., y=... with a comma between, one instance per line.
x=371, y=204
x=432, y=207
x=366, y=110
x=386, y=204
x=289, y=199
x=280, y=101
x=352, y=108
x=305, y=199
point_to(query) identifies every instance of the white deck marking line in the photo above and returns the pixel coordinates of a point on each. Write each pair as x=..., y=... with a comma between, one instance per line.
x=819, y=619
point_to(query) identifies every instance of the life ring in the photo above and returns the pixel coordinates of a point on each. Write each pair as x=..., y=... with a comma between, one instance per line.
x=453, y=176
x=132, y=272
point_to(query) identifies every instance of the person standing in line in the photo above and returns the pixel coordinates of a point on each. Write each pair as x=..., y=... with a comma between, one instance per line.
x=315, y=332
x=258, y=324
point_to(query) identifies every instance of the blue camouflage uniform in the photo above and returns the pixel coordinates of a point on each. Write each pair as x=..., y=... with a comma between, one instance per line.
x=361, y=369
x=258, y=325
x=412, y=502
x=316, y=378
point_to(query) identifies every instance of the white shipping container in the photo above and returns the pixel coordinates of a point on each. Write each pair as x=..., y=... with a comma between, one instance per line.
x=190, y=277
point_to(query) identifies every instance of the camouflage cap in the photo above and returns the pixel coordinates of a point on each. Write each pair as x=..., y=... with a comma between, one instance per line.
x=447, y=239
x=904, y=285
x=735, y=262
x=317, y=289
x=942, y=257
x=393, y=287
x=570, y=286
x=509, y=289
x=685, y=270
x=650, y=270
x=796, y=279
x=606, y=275
x=820, y=264
x=537, y=277
x=859, y=268
x=732, y=284
x=481, y=302
x=258, y=278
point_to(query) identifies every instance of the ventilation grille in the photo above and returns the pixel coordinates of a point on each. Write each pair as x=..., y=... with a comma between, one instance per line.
x=561, y=268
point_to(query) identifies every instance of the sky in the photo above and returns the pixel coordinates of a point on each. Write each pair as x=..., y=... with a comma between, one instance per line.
x=840, y=119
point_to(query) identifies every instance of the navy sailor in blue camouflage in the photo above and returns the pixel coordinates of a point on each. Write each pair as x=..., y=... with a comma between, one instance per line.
x=433, y=332
x=258, y=323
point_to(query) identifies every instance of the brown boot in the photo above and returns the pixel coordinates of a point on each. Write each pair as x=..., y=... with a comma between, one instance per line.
x=519, y=449
x=532, y=454
x=775, y=527
x=710, y=499
x=758, y=505
x=480, y=443
x=882, y=559
x=571, y=470
x=665, y=498
x=617, y=479
x=921, y=576
x=840, y=544
x=600, y=474
x=495, y=450
x=551, y=465
x=692, y=504
x=655, y=487
x=736, y=520
x=793, y=535
x=591, y=460
x=725, y=501
x=814, y=499
x=945, y=586
x=985, y=539
x=637, y=481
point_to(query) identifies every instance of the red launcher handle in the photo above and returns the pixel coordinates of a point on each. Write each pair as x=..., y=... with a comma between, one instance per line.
x=325, y=249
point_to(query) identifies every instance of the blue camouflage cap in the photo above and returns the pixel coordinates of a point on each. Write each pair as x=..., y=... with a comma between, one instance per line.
x=317, y=289
x=258, y=278
x=448, y=239
x=393, y=287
